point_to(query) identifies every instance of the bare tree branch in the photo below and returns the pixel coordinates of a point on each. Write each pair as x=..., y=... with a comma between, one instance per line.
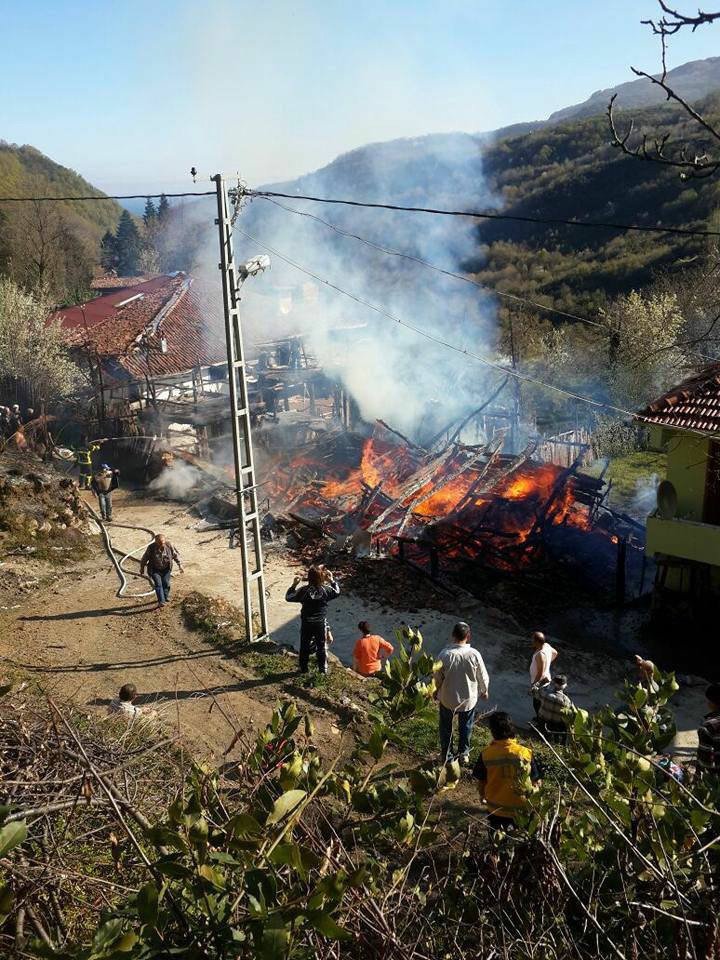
x=655, y=150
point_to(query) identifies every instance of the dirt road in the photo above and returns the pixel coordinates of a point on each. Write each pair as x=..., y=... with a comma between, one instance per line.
x=85, y=643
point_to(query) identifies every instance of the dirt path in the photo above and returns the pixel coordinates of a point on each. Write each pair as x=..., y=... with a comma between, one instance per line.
x=85, y=642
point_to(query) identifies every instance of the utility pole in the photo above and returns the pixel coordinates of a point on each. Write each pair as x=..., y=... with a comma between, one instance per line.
x=516, y=400
x=246, y=491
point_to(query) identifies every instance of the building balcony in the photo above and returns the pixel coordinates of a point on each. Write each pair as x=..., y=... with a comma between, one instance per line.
x=686, y=539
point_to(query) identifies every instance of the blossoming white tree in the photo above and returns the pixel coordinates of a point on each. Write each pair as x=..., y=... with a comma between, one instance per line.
x=32, y=351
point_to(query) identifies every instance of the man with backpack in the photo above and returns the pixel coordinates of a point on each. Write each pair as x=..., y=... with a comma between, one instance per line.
x=103, y=483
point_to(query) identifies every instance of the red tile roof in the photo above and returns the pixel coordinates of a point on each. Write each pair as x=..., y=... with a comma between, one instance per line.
x=85, y=317
x=174, y=308
x=693, y=405
x=109, y=281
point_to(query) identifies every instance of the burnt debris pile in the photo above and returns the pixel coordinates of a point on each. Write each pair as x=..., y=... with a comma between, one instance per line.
x=455, y=508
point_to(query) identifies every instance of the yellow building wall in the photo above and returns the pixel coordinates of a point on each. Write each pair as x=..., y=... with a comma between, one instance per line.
x=686, y=470
x=684, y=536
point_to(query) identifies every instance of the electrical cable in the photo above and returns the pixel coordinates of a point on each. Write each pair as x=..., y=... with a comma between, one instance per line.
x=451, y=273
x=436, y=211
x=481, y=215
x=108, y=196
x=526, y=378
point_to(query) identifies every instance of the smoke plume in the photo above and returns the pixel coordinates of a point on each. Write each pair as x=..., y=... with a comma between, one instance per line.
x=414, y=383
x=178, y=481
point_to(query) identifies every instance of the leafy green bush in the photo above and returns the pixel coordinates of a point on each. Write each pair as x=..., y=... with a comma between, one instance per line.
x=295, y=855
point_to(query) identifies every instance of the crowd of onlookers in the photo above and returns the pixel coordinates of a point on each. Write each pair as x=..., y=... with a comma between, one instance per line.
x=506, y=770
x=12, y=425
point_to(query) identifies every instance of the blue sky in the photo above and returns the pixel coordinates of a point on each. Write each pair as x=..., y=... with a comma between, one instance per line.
x=132, y=94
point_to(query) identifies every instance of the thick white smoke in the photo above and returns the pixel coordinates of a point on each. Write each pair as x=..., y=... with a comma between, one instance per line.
x=415, y=384
x=178, y=481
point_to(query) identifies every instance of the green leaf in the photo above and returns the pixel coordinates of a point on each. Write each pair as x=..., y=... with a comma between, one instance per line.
x=285, y=804
x=309, y=726
x=11, y=835
x=198, y=832
x=295, y=856
x=174, y=869
x=220, y=856
x=376, y=744
x=452, y=772
x=325, y=925
x=212, y=876
x=698, y=819
x=257, y=909
x=147, y=903
x=244, y=825
x=6, y=901
x=275, y=940
x=163, y=836
x=126, y=942
x=107, y=936
x=291, y=770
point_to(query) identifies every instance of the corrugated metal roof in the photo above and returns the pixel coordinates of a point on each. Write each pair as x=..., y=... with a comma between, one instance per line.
x=692, y=405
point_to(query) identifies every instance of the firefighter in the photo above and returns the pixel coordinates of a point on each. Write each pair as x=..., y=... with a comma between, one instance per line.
x=84, y=461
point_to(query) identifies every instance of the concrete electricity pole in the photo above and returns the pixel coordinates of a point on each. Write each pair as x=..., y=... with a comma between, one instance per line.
x=253, y=578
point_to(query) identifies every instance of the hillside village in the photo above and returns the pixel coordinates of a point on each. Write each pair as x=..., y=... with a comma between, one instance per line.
x=360, y=546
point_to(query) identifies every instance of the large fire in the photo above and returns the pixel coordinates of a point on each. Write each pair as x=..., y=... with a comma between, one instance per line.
x=466, y=502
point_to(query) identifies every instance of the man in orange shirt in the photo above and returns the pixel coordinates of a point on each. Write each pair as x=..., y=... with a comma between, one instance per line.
x=368, y=651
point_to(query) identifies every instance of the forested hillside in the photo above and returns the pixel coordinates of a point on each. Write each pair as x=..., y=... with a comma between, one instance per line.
x=570, y=170
x=52, y=244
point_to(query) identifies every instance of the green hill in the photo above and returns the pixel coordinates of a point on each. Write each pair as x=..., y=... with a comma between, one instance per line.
x=570, y=170
x=56, y=243
x=561, y=170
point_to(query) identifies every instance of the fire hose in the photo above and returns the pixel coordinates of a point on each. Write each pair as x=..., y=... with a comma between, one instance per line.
x=112, y=551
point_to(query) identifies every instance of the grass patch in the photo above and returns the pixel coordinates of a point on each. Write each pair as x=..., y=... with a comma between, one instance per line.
x=630, y=476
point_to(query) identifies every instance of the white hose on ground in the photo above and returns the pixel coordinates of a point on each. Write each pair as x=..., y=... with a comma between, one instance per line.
x=111, y=551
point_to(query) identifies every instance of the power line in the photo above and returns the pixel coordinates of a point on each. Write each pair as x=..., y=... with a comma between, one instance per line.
x=451, y=273
x=431, y=266
x=509, y=371
x=473, y=214
x=107, y=196
x=480, y=215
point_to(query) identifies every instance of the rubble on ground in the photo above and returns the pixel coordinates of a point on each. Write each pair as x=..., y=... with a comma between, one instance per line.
x=41, y=512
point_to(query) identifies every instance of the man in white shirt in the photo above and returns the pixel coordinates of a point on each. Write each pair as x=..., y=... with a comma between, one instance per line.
x=542, y=659
x=460, y=681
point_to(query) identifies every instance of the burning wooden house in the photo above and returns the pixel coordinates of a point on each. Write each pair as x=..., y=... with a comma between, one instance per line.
x=457, y=506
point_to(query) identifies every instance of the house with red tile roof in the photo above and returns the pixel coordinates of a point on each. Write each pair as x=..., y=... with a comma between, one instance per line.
x=156, y=347
x=683, y=533
x=160, y=327
x=156, y=356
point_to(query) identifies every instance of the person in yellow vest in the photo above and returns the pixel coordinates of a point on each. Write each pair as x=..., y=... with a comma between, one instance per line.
x=84, y=462
x=507, y=773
